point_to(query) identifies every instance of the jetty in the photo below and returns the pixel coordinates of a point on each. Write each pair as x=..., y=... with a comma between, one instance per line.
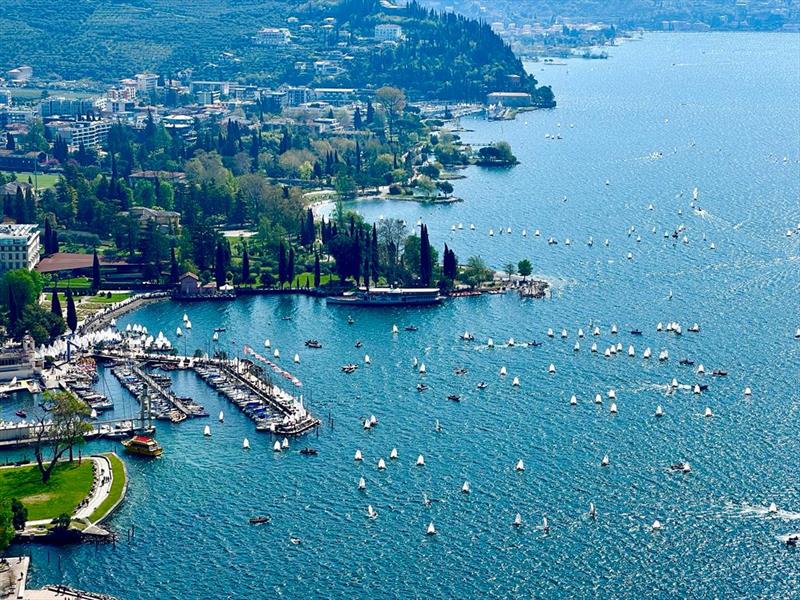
x=242, y=381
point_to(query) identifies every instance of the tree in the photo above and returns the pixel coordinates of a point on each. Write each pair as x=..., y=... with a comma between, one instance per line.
x=96, y=278
x=10, y=143
x=510, y=270
x=174, y=269
x=220, y=266
x=6, y=526
x=317, y=275
x=393, y=101
x=425, y=263
x=19, y=288
x=346, y=187
x=525, y=268
x=72, y=314
x=19, y=514
x=475, y=272
x=245, y=265
x=55, y=303
x=60, y=432
x=281, y=264
x=290, y=267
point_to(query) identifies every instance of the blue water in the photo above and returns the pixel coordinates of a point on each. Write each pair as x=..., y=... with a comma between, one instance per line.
x=724, y=109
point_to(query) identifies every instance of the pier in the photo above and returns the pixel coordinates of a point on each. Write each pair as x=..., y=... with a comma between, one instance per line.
x=241, y=381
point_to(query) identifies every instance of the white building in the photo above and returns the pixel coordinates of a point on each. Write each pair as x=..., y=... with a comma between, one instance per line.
x=388, y=32
x=20, y=75
x=273, y=36
x=19, y=246
x=92, y=134
x=146, y=82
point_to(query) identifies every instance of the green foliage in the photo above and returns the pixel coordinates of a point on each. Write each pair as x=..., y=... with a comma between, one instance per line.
x=475, y=272
x=525, y=268
x=19, y=514
x=6, y=526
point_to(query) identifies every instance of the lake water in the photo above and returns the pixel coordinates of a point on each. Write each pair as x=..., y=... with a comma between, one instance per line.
x=661, y=116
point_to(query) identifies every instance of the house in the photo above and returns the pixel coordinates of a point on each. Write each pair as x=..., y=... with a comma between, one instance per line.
x=20, y=75
x=388, y=32
x=90, y=133
x=165, y=219
x=189, y=284
x=190, y=288
x=326, y=68
x=273, y=36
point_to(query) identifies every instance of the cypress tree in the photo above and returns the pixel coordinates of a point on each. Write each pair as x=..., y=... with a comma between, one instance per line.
x=55, y=304
x=310, y=228
x=282, y=264
x=174, y=274
x=374, y=256
x=425, y=266
x=245, y=265
x=48, y=232
x=290, y=267
x=12, y=309
x=219, y=266
x=72, y=314
x=96, y=280
x=317, y=275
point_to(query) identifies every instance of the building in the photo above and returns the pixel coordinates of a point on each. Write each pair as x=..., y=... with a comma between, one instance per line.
x=20, y=75
x=388, y=32
x=146, y=83
x=182, y=125
x=273, y=101
x=6, y=99
x=18, y=360
x=295, y=96
x=326, y=68
x=206, y=97
x=223, y=87
x=9, y=115
x=92, y=134
x=66, y=107
x=165, y=219
x=19, y=246
x=190, y=288
x=21, y=161
x=335, y=96
x=273, y=36
x=513, y=99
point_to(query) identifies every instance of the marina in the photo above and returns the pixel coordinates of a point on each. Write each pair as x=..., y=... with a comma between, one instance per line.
x=606, y=474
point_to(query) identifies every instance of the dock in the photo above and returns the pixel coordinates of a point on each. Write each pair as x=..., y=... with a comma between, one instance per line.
x=242, y=382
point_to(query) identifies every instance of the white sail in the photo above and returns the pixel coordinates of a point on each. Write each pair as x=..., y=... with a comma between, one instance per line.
x=465, y=488
x=207, y=430
x=420, y=461
x=393, y=454
x=381, y=464
x=520, y=466
x=221, y=416
x=358, y=455
x=246, y=444
x=276, y=447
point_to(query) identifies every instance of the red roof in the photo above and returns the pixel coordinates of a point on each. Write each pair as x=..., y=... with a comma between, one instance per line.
x=142, y=438
x=66, y=261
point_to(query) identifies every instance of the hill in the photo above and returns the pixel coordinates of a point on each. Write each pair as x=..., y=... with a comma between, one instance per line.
x=442, y=56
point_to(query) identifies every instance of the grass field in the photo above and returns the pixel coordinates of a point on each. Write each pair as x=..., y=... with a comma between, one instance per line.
x=45, y=180
x=117, y=489
x=68, y=485
x=301, y=278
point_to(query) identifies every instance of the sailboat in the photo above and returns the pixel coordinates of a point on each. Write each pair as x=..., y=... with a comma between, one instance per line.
x=393, y=454
x=362, y=484
x=431, y=529
x=207, y=431
x=371, y=512
x=420, y=461
x=518, y=520
x=465, y=488
x=246, y=444
x=221, y=417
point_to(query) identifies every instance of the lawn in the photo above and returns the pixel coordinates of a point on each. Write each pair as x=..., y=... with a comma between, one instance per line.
x=301, y=278
x=117, y=489
x=69, y=484
x=75, y=282
x=44, y=180
x=115, y=297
